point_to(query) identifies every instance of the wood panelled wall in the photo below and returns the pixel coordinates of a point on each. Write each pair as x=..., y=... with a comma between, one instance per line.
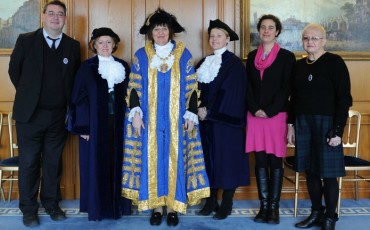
x=126, y=17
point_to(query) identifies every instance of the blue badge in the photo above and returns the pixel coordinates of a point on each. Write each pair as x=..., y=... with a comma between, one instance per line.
x=65, y=61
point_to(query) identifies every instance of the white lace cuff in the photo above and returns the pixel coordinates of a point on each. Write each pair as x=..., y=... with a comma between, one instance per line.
x=133, y=111
x=191, y=117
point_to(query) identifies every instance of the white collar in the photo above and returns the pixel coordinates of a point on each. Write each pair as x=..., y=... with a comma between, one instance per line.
x=220, y=51
x=111, y=70
x=57, y=42
x=45, y=33
x=208, y=70
x=163, y=51
x=101, y=58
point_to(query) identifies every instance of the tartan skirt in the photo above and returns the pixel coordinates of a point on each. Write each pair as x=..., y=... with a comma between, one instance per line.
x=312, y=151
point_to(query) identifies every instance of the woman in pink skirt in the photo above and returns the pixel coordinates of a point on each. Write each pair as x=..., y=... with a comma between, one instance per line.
x=269, y=70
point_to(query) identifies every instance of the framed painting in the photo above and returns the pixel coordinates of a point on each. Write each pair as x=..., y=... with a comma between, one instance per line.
x=16, y=17
x=347, y=24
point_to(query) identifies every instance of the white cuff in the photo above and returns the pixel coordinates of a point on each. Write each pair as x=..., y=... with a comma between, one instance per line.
x=133, y=111
x=191, y=117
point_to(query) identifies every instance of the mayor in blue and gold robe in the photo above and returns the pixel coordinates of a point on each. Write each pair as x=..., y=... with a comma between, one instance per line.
x=163, y=158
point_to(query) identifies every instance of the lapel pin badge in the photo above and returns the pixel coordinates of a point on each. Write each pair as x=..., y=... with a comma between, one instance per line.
x=310, y=77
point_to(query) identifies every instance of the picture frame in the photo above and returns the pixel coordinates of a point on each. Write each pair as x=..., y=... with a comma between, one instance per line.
x=346, y=22
x=16, y=17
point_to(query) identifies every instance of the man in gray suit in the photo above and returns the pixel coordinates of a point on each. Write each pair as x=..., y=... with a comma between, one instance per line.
x=42, y=68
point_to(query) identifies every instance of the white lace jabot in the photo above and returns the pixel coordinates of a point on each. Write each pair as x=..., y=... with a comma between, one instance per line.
x=111, y=70
x=163, y=58
x=208, y=70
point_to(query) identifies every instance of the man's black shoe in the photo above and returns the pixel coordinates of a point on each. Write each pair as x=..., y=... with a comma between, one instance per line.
x=56, y=213
x=31, y=220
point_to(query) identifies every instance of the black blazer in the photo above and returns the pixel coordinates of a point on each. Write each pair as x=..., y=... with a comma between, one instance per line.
x=272, y=92
x=26, y=66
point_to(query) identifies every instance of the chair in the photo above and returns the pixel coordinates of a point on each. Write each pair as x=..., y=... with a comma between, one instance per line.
x=9, y=164
x=353, y=162
x=352, y=159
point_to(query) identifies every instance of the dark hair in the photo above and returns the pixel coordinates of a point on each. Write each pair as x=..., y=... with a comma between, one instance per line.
x=150, y=32
x=92, y=42
x=278, y=25
x=55, y=2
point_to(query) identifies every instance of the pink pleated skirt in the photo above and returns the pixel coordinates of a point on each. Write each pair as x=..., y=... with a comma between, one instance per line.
x=267, y=134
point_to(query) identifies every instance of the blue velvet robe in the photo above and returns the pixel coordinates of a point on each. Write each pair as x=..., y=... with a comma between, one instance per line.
x=223, y=131
x=101, y=156
x=165, y=166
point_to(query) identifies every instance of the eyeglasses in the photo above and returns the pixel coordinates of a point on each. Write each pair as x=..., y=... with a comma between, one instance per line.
x=313, y=39
x=53, y=14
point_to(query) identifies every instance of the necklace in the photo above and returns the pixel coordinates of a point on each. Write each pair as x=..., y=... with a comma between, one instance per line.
x=309, y=61
x=163, y=58
x=164, y=66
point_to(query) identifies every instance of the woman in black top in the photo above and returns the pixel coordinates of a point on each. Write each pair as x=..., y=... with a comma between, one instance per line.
x=269, y=69
x=320, y=99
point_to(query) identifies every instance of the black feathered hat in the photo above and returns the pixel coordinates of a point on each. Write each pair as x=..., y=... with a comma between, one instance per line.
x=104, y=31
x=219, y=24
x=161, y=17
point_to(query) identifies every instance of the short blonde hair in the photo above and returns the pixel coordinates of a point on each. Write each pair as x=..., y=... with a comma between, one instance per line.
x=316, y=27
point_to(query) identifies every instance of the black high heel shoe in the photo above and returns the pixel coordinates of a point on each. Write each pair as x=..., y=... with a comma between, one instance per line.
x=172, y=219
x=156, y=218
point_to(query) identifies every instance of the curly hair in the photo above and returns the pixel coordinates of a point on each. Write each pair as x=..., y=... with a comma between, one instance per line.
x=278, y=25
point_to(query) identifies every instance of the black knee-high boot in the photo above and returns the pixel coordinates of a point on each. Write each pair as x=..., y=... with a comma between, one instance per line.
x=262, y=177
x=210, y=205
x=226, y=204
x=276, y=183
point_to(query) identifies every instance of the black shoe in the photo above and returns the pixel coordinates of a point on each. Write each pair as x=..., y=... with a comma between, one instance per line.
x=226, y=205
x=172, y=219
x=329, y=223
x=209, y=207
x=56, y=213
x=222, y=213
x=31, y=220
x=156, y=218
x=316, y=218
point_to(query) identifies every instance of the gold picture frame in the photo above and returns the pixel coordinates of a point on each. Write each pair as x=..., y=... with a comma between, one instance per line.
x=346, y=35
x=20, y=19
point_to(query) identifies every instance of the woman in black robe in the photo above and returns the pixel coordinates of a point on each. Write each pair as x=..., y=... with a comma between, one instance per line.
x=96, y=115
x=223, y=81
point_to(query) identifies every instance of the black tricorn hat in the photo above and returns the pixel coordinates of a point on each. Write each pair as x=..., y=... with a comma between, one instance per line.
x=103, y=31
x=161, y=17
x=219, y=24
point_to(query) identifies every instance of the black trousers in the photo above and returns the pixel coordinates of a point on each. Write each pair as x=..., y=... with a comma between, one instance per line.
x=40, y=142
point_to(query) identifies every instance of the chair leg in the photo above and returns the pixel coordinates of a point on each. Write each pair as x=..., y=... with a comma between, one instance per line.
x=356, y=186
x=1, y=186
x=10, y=185
x=296, y=194
x=339, y=194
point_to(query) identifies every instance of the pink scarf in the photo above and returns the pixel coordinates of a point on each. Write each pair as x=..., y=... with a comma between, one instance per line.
x=260, y=64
